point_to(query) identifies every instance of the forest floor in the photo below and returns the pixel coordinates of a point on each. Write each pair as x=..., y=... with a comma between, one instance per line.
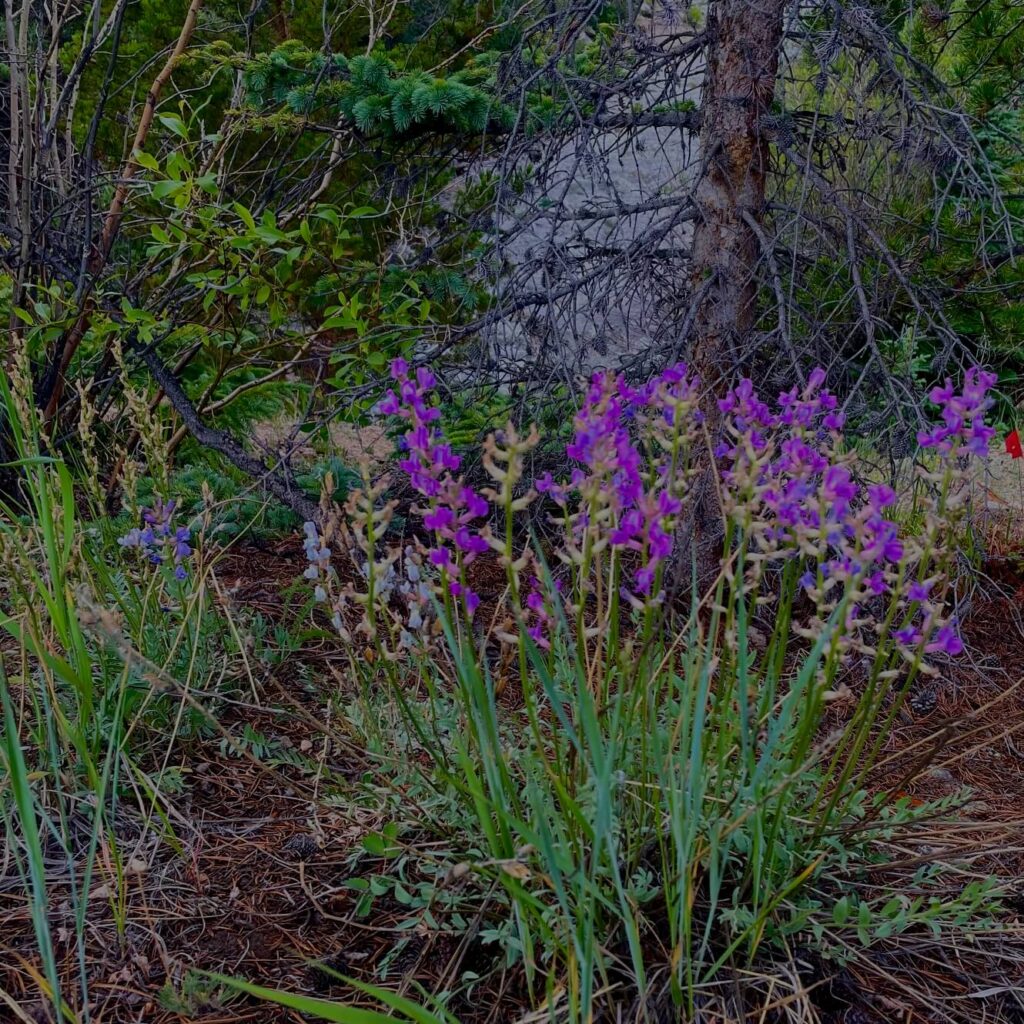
x=257, y=882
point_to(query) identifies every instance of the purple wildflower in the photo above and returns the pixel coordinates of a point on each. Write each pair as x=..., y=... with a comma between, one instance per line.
x=876, y=583
x=626, y=499
x=158, y=540
x=908, y=636
x=540, y=620
x=603, y=445
x=838, y=490
x=430, y=463
x=945, y=641
x=962, y=430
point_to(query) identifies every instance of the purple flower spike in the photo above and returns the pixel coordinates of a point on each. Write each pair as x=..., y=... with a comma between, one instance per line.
x=623, y=498
x=429, y=463
x=963, y=430
x=540, y=621
x=787, y=487
x=603, y=445
x=158, y=540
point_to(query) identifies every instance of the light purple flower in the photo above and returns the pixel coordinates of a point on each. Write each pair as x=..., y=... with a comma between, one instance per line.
x=945, y=641
x=540, y=621
x=158, y=540
x=430, y=463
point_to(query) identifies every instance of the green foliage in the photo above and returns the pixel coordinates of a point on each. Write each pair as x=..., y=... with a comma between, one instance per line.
x=196, y=994
x=215, y=492
x=976, y=50
x=320, y=1009
x=369, y=91
x=89, y=667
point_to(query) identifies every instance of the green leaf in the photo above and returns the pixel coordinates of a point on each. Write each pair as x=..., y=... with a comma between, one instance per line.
x=864, y=924
x=166, y=189
x=147, y=160
x=175, y=124
x=841, y=911
x=380, y=845
x=320, y=1008
x=245, y=216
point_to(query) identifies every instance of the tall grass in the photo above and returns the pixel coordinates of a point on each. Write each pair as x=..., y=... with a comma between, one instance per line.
x=686, y=822
x=69, y=702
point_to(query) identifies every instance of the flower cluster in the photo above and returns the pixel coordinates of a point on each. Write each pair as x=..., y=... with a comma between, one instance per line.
x=963, y=430
x=389, y=589
x=539, y=615
x=629, y=497
x=159, y=540
x=788, y=491
x=318, y=554
x=452, y=509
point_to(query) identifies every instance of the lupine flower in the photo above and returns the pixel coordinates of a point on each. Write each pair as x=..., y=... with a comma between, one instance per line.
x=675, y=394
x=908, y=636
x=540, y=620
x=610, y=461
x=430, y=463
x=786, y=485
x=946, y=641
x=647, y=528
x=319, y=557
x=159, y=540
x=963, y=430
x=626, y=500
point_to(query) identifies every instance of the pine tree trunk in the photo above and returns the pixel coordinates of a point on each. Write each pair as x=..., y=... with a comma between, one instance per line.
x=743, y=62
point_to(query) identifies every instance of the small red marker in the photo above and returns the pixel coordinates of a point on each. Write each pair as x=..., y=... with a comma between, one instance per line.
x=1013, y=445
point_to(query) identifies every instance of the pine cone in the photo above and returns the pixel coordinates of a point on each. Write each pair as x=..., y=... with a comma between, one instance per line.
x=301, y=847
x=924, y=702
x=901, y=442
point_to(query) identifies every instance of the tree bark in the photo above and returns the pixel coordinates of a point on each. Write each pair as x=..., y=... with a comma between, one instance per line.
x=743, y=64
x=744, y=41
